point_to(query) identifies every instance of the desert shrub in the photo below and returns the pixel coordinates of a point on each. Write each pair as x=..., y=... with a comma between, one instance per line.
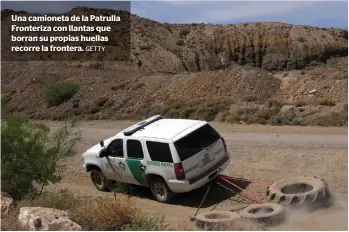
x=300, y=103
x=221, y=116
x=184, y=32
x=31, y=154
x=75, y=105
x=146, y=223
x=274, y=102
x=104, y=214
x=299, y=122
x=63, y=200
x=59, y=92
x=180, y=42
x=145, y=47
x=101, y=101
x=332, y=119
x=94, y=108
x=250, y=98
x=326, y=102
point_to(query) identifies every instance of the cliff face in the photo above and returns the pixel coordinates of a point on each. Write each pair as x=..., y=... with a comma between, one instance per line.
x=162, y=47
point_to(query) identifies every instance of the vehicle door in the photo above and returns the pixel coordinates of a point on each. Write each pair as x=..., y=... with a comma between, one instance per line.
x=115, y=163
x=135, y=161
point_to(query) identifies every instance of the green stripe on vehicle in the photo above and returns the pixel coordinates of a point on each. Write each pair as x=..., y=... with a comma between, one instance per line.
x=137, y=172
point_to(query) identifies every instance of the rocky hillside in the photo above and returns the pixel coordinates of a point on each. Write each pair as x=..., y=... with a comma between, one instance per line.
x=248, y=73
x=162, y=47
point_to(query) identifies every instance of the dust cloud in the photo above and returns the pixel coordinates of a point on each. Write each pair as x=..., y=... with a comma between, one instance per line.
x=331, y=216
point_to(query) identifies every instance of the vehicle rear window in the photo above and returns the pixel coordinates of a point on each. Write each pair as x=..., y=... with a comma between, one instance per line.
x=196, y=141
x=159, y=151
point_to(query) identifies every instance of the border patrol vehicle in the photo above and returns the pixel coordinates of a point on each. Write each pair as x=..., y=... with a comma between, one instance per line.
x=170, y=156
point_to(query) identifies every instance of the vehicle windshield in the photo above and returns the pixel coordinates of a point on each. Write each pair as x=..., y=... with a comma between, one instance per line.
x=196, y=141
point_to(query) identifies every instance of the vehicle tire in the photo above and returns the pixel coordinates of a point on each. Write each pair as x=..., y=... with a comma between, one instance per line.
x=298, y=191
x=269, y=213
x=161, y=191
x=211, y=220
x=99, y=180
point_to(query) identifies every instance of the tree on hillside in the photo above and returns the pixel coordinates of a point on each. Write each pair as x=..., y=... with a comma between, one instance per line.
x=30, y=154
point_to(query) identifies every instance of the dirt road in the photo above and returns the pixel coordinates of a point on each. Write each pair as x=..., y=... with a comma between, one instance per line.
x=264, y=153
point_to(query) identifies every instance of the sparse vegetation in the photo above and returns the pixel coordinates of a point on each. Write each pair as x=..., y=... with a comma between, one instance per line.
x=59, y=92
x=90, y=213
x=300, y=103
x=145, y=47
x=30, y=154
x=250, y=98
x=146, y=223
x=184, y=32
x=180, y=42
x=326, y=102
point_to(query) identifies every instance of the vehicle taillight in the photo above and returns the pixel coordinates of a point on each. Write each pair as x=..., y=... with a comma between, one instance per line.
x=179, y=171
x=225, y=145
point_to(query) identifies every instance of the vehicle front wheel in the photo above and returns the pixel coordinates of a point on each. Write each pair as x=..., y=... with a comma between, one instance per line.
x=99, y=180
x=161, y=191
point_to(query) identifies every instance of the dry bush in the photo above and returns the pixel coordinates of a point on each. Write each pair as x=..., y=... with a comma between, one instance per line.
x=332, y=119
x=326, y=102
x=104, y=214
x=10, y=222
x=274, y=102
x=64, y=200
x=300, y=103
x=250, y=98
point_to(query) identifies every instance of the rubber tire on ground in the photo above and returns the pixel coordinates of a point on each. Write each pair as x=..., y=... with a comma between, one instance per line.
x=168, y=194
x=275, y=216
x=104, y=186
x=205, y=220
x=318, y=192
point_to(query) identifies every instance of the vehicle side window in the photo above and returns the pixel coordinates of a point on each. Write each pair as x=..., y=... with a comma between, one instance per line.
x=134, y=149
x=159, y=151
x=115, y=148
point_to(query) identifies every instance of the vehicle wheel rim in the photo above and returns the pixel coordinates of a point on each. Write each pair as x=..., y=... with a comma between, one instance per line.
x=98, y=179
x=160, y=191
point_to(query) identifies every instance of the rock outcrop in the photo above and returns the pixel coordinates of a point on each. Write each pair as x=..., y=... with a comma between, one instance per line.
x=38, y=218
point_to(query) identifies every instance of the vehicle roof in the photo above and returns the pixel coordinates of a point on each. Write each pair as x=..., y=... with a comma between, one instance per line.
x=165, y=128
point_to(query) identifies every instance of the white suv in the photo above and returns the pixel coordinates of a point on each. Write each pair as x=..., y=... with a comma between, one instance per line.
x=168, y=155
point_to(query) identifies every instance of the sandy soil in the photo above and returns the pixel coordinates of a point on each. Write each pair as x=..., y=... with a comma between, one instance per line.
x=264, y=153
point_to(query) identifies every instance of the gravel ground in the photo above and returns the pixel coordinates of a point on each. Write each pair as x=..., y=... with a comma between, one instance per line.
x=264, y=153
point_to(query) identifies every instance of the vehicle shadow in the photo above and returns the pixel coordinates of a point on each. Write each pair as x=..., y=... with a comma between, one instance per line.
x=219, y=191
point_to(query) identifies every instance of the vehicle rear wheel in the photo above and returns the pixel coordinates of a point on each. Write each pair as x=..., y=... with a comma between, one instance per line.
x=99, y=180
x=161, y=191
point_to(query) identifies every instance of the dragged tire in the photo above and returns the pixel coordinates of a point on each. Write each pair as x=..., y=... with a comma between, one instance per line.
x=269, y=213
x=298, y=191
x=212, y=219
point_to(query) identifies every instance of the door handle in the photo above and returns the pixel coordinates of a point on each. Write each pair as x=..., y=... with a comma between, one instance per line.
x=121, y=164
x=142, y=167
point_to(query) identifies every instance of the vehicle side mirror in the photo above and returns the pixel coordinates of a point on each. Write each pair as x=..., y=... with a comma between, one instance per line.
x=101, y=143
x=103, y=153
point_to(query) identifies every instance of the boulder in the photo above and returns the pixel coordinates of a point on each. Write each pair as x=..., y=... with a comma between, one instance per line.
x=7, y=204
x=63, y=224
x=38, y=218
